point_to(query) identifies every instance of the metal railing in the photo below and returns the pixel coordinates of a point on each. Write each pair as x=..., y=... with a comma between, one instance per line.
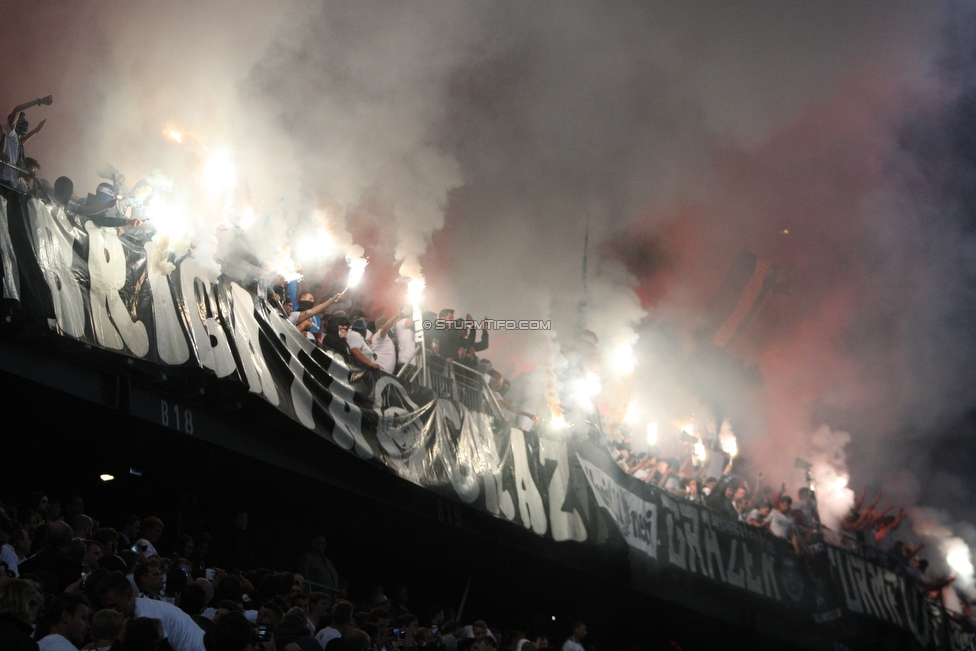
x=453, y=381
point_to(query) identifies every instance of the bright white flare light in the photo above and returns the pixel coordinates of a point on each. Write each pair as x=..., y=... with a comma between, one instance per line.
x=175, y=136
x=106, y=477
x=840, y=483
x=633, y=413
x=958, y=557
x=357, y=266
x=415, y=290
x=730, y=446
x=700, y=452
x=652, y=433
x=219, y=173
x=591, y=386
x=688, y=428
x=248, y=218
x=558, y=422
x=624, y=360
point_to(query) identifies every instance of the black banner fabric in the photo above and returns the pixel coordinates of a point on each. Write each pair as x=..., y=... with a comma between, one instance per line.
x=118, y=293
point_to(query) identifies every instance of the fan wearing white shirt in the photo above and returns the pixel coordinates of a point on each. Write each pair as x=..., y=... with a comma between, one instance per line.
x=66, y=621
x=183, y=634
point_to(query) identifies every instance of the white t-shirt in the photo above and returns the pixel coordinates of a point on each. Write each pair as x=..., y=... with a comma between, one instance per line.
x=406, y=344
x=755, y=516
x=326, y=634
x=356, y=340
x=9, y=556
x=780, y=525
x=293, y=317
x=13, y=153
x=146, y=548
x=55, y=642
x=572, y=645
x=181, y=631
x=385, y=351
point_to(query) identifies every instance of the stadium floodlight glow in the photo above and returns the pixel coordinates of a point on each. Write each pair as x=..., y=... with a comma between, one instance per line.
x=106, y=477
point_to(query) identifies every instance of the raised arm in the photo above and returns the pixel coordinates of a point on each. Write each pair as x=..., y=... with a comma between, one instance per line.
x=30, y=134
x=305, y=315
x=26, y=105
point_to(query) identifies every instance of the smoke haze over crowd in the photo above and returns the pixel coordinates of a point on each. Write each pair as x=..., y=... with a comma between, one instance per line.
x=472, y=143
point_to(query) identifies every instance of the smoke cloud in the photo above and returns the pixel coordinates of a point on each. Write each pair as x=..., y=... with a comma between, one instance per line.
x=476, y=145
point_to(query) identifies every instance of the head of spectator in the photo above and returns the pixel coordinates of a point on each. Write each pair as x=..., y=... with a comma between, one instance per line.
x=20, y=600
x=193, y=598
x=38, y=502
x=447, y=314
x=739, y=493
x=229, y=588
x=130, y=527
x=232, y=632
x=784, y=504
x=579, y=631
x=152, y=529
x=59, y=536
x=269, y=614
x=226, y=607
x=93, y=553
x=67, y=616
x=184, y=545
x=142, y=634
x=115, y=592
x=359, y=326
x=299, y=600
x=691, y=488
x=201, y=545
x=355, y=640
x=318, y=605
x=31, y=167
x=108, y=538
x=106, y=626
x=148, y=578
x=293, y=625
x=64, y=189
x=72, y=508
x=480, y=631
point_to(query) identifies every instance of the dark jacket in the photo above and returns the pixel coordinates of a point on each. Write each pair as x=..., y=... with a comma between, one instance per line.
x=15, y=635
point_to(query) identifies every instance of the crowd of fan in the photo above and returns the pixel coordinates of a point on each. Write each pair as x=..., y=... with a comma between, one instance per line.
x=761, y=506
x=68, y=583
x=339, y=323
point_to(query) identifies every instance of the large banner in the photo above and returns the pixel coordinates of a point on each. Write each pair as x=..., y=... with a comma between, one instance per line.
x=118, y=293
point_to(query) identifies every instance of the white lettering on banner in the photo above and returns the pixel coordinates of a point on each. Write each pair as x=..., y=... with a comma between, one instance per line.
x=294, y=341
x=457, y=465
x=348, y=418
x=564, y=525
x=636, y=519
x=11, y=273
x=54, y=248
x=400, y=428
x=531, y=508
x=171, y=344
x=479, y=446
x=209, y=338
x=107, y=270
x=693, y=546
x=248, y=343
x=876, y=591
